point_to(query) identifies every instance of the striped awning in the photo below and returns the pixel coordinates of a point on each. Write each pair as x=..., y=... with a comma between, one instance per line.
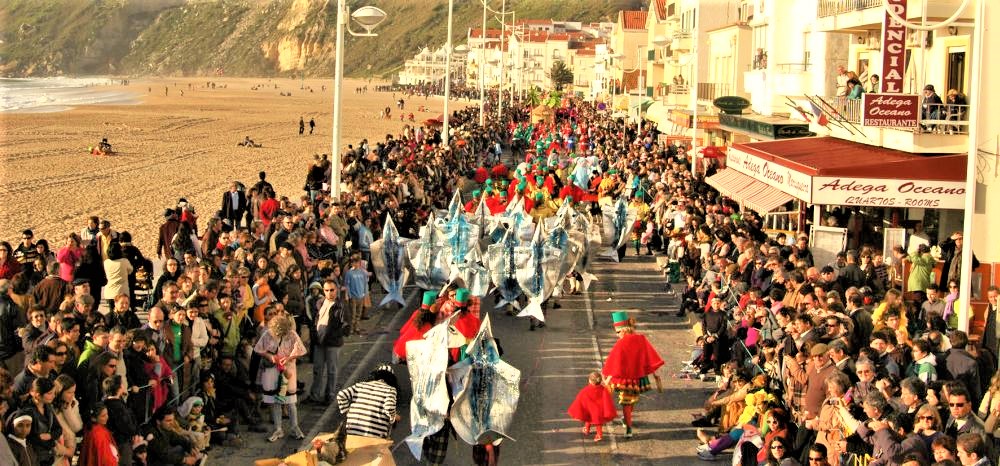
x=749, y=192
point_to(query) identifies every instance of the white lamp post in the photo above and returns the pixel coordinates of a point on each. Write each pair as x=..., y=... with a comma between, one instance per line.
x=447, y=76
x=368, y=17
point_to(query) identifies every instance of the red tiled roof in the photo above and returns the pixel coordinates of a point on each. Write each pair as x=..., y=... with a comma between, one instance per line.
x=633, y=20
x=661, y=9
x=534, y=21
x=535, y=36
x=586, y=52
x=491, y=33
x=827, y=156
x=560, y=36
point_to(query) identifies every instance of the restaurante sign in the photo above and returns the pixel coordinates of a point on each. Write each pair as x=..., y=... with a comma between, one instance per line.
x=888, y=192
x=890, y=110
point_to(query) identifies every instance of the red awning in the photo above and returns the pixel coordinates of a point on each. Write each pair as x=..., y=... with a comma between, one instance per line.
x=828, y=156
x=748, y=191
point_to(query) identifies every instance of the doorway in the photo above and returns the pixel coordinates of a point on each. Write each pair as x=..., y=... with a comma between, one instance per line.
x=956, y=68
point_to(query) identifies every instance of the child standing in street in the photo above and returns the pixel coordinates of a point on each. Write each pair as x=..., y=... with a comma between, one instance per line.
x=593, y=406
x=356, y=281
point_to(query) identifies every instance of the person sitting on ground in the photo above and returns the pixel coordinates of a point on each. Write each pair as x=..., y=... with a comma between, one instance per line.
x=104, y=146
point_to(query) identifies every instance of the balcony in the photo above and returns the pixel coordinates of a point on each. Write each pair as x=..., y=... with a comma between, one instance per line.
x=712, y=91
x=836, y=7
x=941, y=128
x=681, y=40
x=859, y=15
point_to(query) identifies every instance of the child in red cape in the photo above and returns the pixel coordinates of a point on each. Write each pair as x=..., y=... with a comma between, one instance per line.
x=593, y=406
x=628, y=366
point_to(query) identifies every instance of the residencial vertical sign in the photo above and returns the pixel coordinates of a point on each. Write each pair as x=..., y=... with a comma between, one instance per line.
x=893, y=48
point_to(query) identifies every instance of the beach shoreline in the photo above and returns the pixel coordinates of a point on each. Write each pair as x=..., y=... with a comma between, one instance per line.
x=172, y=146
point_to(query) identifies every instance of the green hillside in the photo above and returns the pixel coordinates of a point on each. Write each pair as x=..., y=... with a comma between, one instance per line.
x=241, y=37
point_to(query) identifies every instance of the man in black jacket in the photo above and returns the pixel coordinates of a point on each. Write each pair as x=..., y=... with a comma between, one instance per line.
x=234, y=205
x=327, y=340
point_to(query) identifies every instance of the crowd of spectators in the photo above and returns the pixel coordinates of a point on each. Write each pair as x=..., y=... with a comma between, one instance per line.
x=97, y=354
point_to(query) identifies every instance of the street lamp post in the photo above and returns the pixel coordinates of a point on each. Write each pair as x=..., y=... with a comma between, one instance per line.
x=482, y=71
x=447, y=77
x=368, y=17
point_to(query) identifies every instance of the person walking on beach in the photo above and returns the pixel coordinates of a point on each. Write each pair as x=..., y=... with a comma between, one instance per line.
x=312, y=125
x=302, y=126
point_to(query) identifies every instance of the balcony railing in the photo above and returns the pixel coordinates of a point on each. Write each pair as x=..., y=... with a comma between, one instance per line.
x=836, y=7
x=791, y=67
x=712, y=91
x=934, y=118
x=759, y=60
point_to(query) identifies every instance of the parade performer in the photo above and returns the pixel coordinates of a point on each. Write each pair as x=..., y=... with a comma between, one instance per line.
x=641, y=209
x=593, y=406
x=628, y=366
x=542, y=208
x=419, y=323
x=470, y=206
x=467, y=323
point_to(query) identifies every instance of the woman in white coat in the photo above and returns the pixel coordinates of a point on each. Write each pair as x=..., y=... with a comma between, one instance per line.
x=117, y=268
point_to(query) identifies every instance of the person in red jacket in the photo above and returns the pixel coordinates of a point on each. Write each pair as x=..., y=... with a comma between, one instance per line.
x=593, y=406
x=628, y=366
x=268, y=208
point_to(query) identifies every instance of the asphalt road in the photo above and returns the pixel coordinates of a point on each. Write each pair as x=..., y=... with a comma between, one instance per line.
x=554, y=364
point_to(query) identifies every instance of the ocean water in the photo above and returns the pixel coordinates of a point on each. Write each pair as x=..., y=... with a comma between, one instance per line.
x=59, y=94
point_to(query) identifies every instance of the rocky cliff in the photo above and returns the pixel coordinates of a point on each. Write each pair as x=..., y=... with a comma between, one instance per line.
x=239, y=37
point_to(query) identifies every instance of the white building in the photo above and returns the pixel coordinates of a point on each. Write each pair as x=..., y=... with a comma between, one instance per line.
x=429, y=67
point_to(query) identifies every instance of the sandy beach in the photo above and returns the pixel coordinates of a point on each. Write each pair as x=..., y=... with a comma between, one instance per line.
x=174, y=146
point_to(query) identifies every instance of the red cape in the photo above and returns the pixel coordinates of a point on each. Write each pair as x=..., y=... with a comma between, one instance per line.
x=99, y=448
x=467, y=324
x=631, y=359
x=593, y=405
x=412, y=332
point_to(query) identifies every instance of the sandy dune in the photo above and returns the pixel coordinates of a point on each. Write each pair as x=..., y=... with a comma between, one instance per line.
x=172, y=147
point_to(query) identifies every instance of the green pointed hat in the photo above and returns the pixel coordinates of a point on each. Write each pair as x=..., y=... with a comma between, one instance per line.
x=538, y=196
x=619, y=319
x=429, y=298
x=462, y=295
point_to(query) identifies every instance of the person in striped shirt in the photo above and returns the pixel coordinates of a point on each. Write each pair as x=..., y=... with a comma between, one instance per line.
x=370, y=406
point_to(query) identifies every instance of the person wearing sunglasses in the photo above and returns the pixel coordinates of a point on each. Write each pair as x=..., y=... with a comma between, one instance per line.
x=817, y=455
x=927, y=424
x=779, y=453
x=961, y=419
